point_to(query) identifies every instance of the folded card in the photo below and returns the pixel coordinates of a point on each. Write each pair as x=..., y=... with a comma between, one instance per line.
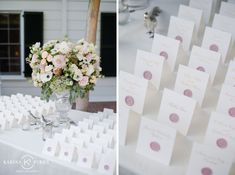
x=85, y=158
x=226, y=102
x=205, y=60
x=206, y=160
x=123, y=119
x=107, y=163
x=192, y=83
x=217, y=41
x=156, y=141
x=51, y=147
x=67, y=152
x=176, y=110
x=182, y=30
x=132, y=91
x=227, y=9
x=230, y=75
x=168, y=48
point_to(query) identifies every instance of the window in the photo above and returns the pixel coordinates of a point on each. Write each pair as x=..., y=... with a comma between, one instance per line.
x=10, y=44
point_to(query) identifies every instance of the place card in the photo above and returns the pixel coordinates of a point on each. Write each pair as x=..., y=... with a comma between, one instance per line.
x=224, y=23
x=132, y=92
x=61, y=138
x=3, y=123
x=168, y=48
x=227, y=9
x=85, y=158
x=89, y=121
x=109, y=138
x=206, y=6
x=226, y=102
x=110, y=122
x=205, y=60
x=176, y=110
x=156, y=141
x=220, y=132
x=108, y=111
x=192, y=83
x=123, y=119
x=151, y=67
x=92, y=133
x=77, y=142
x=217, y=41
x=98, y=128
x=85, y=137
x=68, y=132
x=230, y=75
x=51, y=147
x=67, y=152
x=102, y=141
x=95, y=147
x=192, y=14
x=182, y=30
x=205, y=160
x=107, y=163
x=83, y=125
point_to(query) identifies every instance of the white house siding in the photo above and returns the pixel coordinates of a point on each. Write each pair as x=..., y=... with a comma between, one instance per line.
x=61, y=17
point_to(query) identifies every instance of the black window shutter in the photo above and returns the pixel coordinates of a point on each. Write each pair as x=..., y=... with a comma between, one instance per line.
x=108, y=44
x=33, y=32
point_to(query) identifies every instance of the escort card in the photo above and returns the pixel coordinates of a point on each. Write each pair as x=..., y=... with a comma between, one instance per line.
x=220, y=132
x=51, y=147
x=192, y=14
x=156, y=141
x=176, y=110
x=107, y=163
x=226, y=102
x=205, y=61
x=205, y=160
x=181, y=30
x=123, y=119
x=205, y=5
x=217, y=41
x=230, y=75
x=85, y=158
x=227, y=9
x=67, y=152
x=192, y=83
x=132, y=92
x=151, y=67
x=169, y=48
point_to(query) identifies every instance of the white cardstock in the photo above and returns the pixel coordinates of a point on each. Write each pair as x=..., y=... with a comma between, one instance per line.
x=230, y=75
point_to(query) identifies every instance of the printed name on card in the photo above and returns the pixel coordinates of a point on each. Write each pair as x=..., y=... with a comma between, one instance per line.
x=156, y=141
x=132, y=91
x=205, y=60
x=192, y=83
x=182, y=30
x=177, y=110
x=205, y=160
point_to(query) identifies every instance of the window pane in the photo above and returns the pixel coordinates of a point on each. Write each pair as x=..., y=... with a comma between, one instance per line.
x=3, y=36
x=14, y=36
x=3, y=20
x=4, y=65
x=4, y=51
x=14, y=21
x=15, y=70
x=14, y=51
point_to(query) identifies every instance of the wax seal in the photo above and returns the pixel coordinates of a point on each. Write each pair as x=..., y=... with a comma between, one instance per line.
x=179, y=38
x=221, y=143
x=214, y=47
x=164, y=54
x=155, y=146
x=188, y=92
x=174, y=117
x=206, y=171
x=147, y=75
x=129, y=100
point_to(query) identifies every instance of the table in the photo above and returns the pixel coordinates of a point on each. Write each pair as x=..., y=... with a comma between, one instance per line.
x=26, y=146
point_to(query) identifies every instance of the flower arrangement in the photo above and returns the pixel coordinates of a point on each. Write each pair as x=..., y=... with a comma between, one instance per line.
x=60, y=66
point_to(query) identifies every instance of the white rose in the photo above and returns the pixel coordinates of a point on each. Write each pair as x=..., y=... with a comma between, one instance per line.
x=44, y=54
x=48, y=68
x=90, y=70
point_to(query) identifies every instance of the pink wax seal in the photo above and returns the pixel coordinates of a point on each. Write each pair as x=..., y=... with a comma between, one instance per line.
x=214, y=47
x=84, y=159
x=231, y=112
x=188, y=92
x=221, y=143
x=179, y=38
x=147, y=75
x=174, y=117
x=164, y=54
x=155, y=146
x=129, y=100
x=66, y=153
x=206, y=171
x=200, y=68
x=49, y=149
x=106, y=167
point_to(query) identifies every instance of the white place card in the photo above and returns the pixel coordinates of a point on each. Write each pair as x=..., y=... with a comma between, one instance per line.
x=110, y=122
x=220, y=132
x=108, y=111
x=217, y=41
x=98, y=128
x=89, y=121
x=192, y=14
x=3, y=123
x=176, y=110
x=85, y=137
x=67, y=152
x=92, y=133
x=205, y=160
x=227, y=9
x=132, y=92
x=192, y=83
x=107, y=163
x=156, y=141
x=224, y=23
x=168, y=48
x=226, y=102
x=83, y=125
x=95, y=147
x=182, y=30
x=123, y=119
x=205, y=60
x=51, y=147
x=77, y=142
x=85, y=158
x=206, y=6
x=230, y=75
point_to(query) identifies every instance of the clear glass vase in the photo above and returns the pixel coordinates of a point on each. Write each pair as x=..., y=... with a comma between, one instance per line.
x=63, y=106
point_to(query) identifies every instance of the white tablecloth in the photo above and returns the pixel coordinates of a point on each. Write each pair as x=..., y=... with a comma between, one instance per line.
x=21, y=153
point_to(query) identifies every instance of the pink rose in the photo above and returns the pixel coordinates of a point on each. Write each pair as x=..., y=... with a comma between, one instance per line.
x=34, y=58
x=44, y=54
x=59, y=61
x=84, y=81
x=49, y=58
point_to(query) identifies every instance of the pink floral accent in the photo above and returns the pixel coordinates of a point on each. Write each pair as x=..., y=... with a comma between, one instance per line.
x=231, y=112
x=200, y=68
x=221, y=143
x=84, y=81
x=214, y=47
x=174, y=117
x=188, y=93
x=147, y=75
x=129, y=100
x=179, y=38
x=59, y=61
x=155, y=146
x=206, y=171
x=164, y=54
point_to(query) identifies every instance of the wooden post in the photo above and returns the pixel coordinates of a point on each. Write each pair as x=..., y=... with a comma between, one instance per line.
x=92, y=20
